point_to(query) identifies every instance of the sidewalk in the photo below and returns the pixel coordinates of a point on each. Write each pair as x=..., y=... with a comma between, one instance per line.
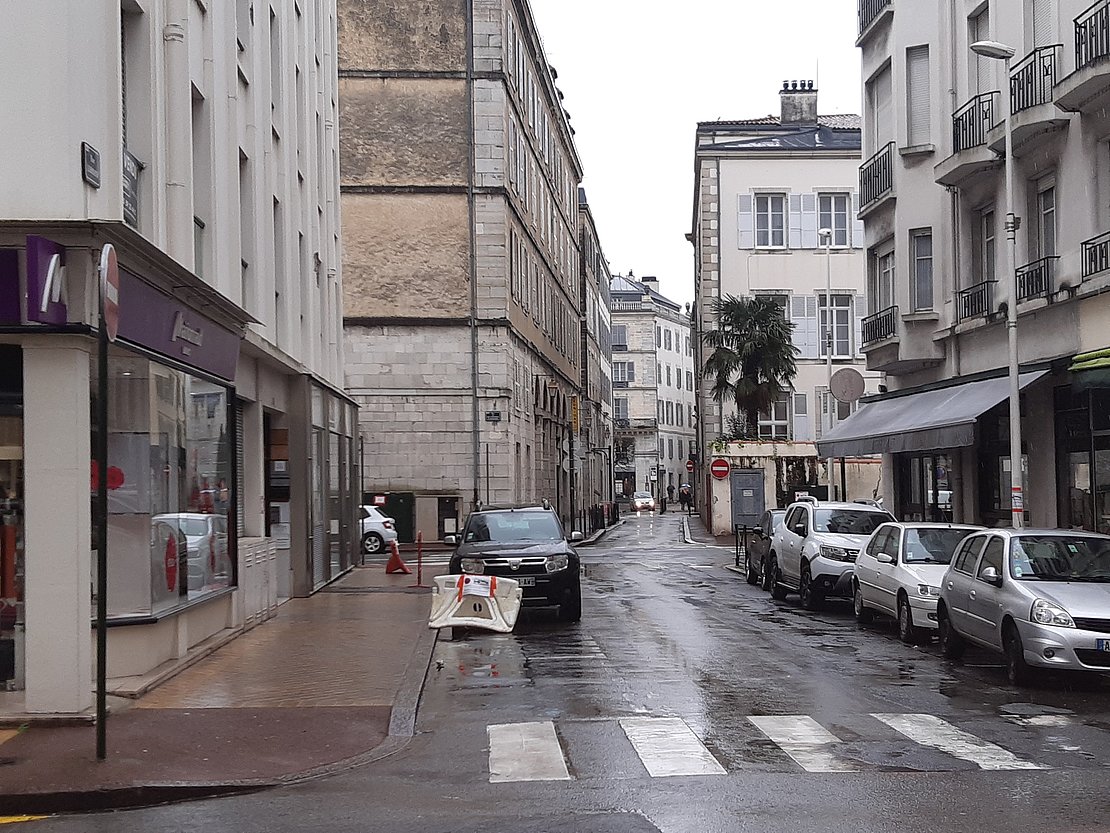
x=698, y=534
x=332, y=682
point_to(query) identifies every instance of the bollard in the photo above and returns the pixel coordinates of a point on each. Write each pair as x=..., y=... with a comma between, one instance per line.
x=419, y=560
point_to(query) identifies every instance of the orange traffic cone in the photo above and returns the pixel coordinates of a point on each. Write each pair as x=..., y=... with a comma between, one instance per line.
x=396, y=565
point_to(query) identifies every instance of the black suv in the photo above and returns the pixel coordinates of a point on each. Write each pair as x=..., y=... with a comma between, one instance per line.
x=526, y=544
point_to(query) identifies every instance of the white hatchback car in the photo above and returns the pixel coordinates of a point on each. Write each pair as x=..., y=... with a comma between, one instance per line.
x=377, y=530
x=899, y=574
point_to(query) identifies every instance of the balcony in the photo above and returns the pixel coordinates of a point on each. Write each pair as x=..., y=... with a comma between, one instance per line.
x=876, y=180
x=1035, y=119
x=1086, y=89
x=1037, y=279
x=630, y=306
x=970, y=153
x=1096, y=255
x=881, y=325
x=872, y=14
x=638, y=424
x=976, y=301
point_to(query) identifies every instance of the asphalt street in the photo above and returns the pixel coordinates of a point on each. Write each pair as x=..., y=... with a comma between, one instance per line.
x=687, y=700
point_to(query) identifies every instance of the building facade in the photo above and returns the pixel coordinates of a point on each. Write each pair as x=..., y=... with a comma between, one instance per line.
x=764, y=188
x=653, y=388
x=461, y=220
x=198, y=141
x=943, y=270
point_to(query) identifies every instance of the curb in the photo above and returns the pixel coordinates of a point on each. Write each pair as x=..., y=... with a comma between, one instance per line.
x=402, y=724
x=600, y=534
x=686, y=539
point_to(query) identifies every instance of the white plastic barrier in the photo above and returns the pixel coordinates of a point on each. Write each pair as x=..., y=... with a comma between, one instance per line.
x=467, y=601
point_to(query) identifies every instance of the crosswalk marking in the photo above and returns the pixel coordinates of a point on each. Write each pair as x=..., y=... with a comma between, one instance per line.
x=929, y=730
x=668, y=747
x=525, y=752
x=805, y=740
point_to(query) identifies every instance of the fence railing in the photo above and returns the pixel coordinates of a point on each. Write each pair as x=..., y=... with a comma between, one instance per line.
x=1033, y=80
x=1037, y=279
x=1096, y=255
x=976, y=300
x=868, y=11
x=971, y=122
x=1092, y=34
x=880, y=325
x=876, y=175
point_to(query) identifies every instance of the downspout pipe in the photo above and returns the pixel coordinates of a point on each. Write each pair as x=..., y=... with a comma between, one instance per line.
x=476, y=439
x=179, y=132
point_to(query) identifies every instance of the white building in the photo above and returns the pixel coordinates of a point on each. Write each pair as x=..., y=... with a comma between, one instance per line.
x=199, y=139
x=653, y=388
x=764, y=187
x=934, y=210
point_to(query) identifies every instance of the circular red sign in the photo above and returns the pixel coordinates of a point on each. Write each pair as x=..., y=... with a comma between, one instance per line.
x=109, y=289
x=690, y=466
x=720, y=468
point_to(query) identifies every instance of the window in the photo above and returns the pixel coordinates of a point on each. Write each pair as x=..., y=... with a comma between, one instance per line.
x=668, y=375
x=670, y=413
x=964, y=559
x=770, y=220
x=841, y=333
x=670, y=448
x=624, y=372
x=984, y=246
x=620, y=337
x=658, y=336
x=832, y=213
x=691, y=423
x=918, y=127
x=881, y=129
x=1046, y=219
x=775, y=425
x=667, y=339
x=921, y=250
x=1042, y=13
x=801, y=407
x=620, y=407
x=659, y=410
x=679, y=448
x=992, y=556
x=678, y=414
x=689, y=380
x=981, y=68
x=883, y=293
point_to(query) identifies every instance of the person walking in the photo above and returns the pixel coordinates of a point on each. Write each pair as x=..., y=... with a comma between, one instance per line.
x=670, y=492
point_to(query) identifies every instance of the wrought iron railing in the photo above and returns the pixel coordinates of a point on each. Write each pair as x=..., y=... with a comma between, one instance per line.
x=1096, y=255
x=629, y=306
x=868, y=11
x=977, y=300
x=880, y=325
x=1037, y=279
x=1092, y=34
x=876, y=175
x=971, y=122
x=1032, y=81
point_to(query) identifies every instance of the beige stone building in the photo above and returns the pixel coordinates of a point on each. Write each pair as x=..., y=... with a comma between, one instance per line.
x=460, y=202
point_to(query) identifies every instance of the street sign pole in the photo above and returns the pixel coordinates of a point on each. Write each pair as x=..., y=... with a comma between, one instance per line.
x=109, y=276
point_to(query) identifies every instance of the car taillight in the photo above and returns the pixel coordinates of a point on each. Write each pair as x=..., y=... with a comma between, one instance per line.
x=387, y=524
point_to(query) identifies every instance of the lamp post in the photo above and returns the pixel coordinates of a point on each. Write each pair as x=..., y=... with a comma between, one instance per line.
x=826, y=235
x=1001, y=52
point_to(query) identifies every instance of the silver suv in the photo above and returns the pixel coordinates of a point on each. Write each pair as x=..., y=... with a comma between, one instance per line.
x=814, y=549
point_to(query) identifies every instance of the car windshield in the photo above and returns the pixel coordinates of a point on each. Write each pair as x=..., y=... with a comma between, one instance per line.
x=192, y=526
x=1060, y=558
x=508, y=527
x=849, y=521
x=642, y=495
x=932, y=546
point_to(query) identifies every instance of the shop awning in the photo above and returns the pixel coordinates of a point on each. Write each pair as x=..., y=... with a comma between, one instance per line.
x=926, y=421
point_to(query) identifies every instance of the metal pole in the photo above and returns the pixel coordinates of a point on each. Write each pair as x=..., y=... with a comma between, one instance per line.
x=487, y=473
x=1017, y=501
x=828, y=350
x=101, y=531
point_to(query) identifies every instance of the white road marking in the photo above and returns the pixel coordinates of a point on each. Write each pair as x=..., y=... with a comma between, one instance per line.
x=804, y=740
x=1040, y=719
x=525, y=752
x=930, y=730
x=668, y=747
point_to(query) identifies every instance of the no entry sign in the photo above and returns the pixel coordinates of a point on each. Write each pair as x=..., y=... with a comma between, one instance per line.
x=720, y=468
x=690, y=466
x=109, y=290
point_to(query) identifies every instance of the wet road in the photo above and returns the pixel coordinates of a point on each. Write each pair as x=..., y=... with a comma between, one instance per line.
x=687, y=700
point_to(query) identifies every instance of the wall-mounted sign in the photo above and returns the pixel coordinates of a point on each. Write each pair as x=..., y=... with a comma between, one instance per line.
x=90, y=164
x=379, y=500
x=493, y=416
x=131, y=168
x=46, y=293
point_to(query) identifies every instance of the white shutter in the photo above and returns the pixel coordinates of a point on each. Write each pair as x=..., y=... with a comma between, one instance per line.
x=803, y=421
x=918, y=103
x=803, y=315
x=820, y=414
x=812, y=337
x=857, y=223
x=1044, y=12
x=861, y=313
x=882, y=128
x=746, y=235
x=794, y=220
x=983, y=70
x=809, y=221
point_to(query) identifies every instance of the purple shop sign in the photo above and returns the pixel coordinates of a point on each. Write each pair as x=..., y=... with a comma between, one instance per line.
x=9, y=287
x=160, y=323
x=46, y=297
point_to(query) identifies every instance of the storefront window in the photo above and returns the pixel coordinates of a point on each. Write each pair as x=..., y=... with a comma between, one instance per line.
x=11, y=518
x=924, y=488
x=170, y=486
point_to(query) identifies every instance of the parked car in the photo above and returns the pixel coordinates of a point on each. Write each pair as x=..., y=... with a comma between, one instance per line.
x=756, y=569
x=643, y=501
x=814, y=548
x=528, y=545
x=1039, y=596
x=377, y=530
x=899, y=574
x=207, y=549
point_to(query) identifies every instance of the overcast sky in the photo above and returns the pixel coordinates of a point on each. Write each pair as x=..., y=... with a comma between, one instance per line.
x=638, y=81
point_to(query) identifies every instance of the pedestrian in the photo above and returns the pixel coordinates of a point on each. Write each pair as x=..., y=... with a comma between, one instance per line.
x=684, y=497
x=670, y=492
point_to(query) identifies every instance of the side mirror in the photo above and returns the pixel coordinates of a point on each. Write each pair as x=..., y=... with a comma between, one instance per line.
x=576, y=536
x=451, y=540
x=884, y=558
x=990, y=576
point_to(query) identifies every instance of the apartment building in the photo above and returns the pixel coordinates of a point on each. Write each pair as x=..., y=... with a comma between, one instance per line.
x=198, y=141
x=461, y=229
x=653, y=388
x=943, y=271
x=764, y=188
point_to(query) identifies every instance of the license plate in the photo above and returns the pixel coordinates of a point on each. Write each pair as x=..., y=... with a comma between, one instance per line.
x=529, y=581
x=1103, y=644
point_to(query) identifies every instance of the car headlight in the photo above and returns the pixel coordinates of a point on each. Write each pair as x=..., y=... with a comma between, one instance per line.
x=835, y=553
x=1048, y=613
x=475, y=566
x=555, y=563
x=927, y=590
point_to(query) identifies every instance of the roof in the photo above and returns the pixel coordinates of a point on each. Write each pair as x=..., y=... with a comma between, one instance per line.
x=808, y=138
x=621, y=284
x=843, y=121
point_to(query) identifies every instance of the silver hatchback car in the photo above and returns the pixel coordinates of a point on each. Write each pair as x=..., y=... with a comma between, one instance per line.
x=1039, y=596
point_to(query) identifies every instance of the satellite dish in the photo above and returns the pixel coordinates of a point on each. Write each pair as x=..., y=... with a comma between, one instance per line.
x=847, y=385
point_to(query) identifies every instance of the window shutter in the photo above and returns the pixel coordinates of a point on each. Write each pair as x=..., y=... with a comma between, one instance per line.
x=812, y=337
x=820, y=414
x=1043, y=29
x=794, y=223
x=880, y=95
x=917, y=95
x=861, y=313
x=809, y=221
x=803, y=424
x=631, y=371
x=746, y=236
x=857, y=223
x=803, y=315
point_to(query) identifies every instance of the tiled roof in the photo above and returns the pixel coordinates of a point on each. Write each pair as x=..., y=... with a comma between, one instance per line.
x=846, y=121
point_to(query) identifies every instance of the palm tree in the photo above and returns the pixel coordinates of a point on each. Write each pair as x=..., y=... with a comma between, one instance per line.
x=752, y=363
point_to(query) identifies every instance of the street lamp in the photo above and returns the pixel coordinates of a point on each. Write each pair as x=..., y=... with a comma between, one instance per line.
x=1001, y=52
x=826, y=235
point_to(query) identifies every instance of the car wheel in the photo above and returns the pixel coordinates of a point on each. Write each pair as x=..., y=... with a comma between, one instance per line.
x=752, y=575
x=1018, y=670
x=778, y=589
x=372, y=543
x=864, y=615
x=952, y=645
x=907, y=631
x=811, y=596
x=571, y=610
x=765, y=580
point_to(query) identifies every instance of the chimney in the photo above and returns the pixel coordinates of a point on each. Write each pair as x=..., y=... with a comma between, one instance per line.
x=799, y=102
x=651, y=282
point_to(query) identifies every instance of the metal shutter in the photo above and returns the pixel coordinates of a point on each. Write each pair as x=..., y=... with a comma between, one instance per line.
x=983, y=71
x=918, y=102
x=240, y=502
x=882, y=127
x=1043, y=22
